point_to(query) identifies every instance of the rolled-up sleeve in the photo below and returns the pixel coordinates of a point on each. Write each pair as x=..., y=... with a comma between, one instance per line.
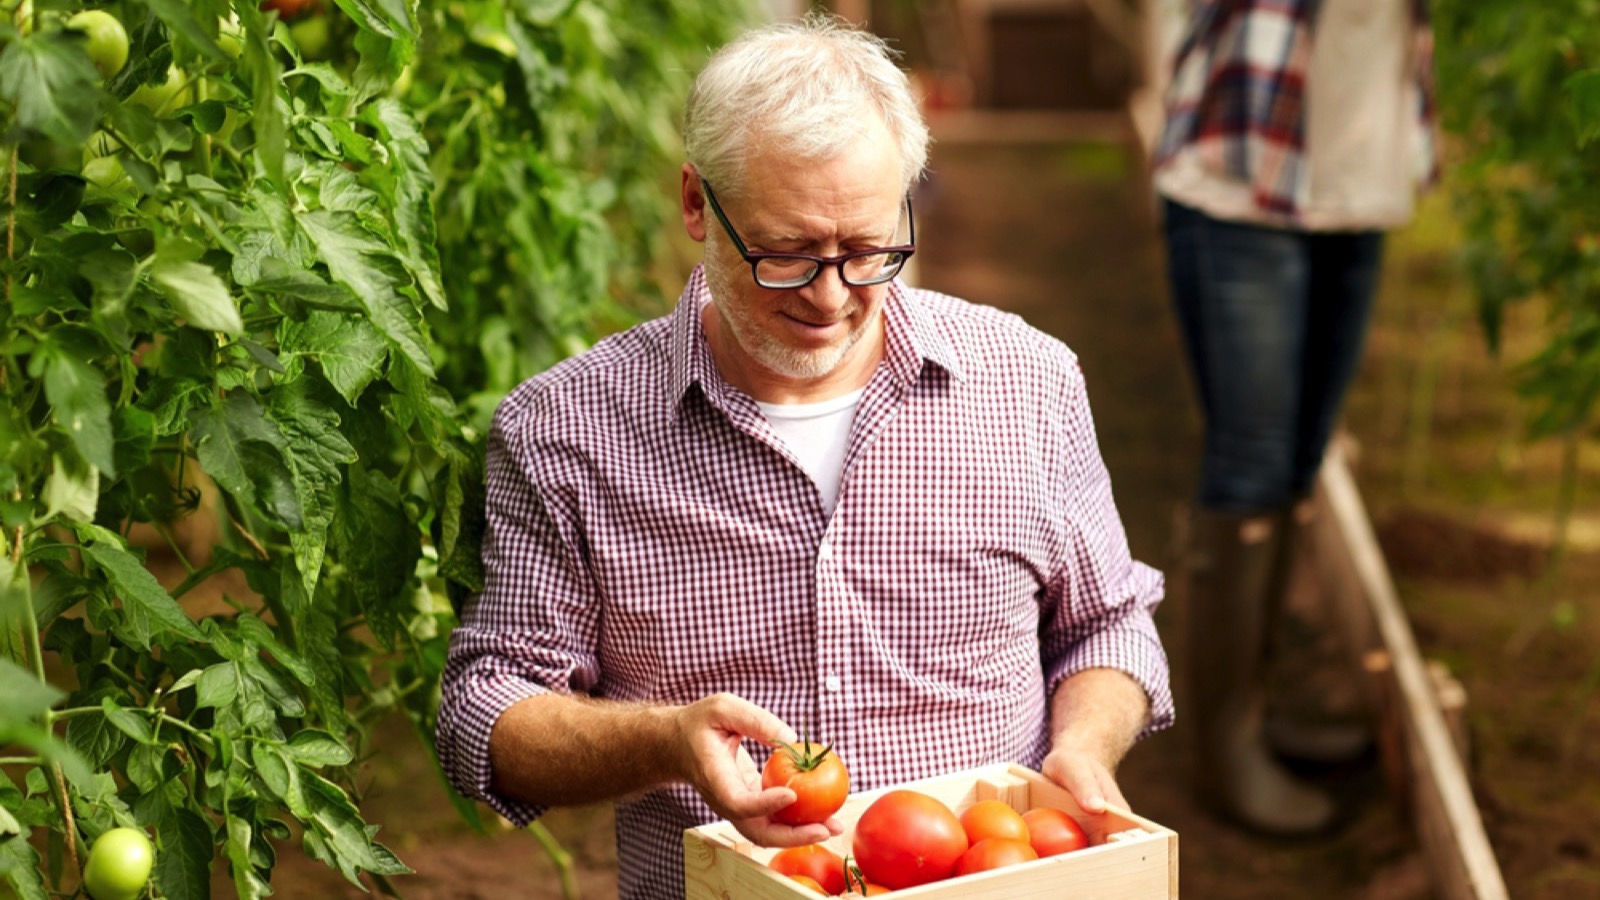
x=531, y=631
x=1098, y=608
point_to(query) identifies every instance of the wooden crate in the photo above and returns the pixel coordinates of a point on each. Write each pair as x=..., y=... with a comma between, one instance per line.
x=1138, y=860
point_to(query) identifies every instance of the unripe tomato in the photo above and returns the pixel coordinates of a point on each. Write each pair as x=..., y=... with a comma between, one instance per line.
x=119, y=865
x=312, y=36
x=108, y=41
x=165, y=97
x=107, y=174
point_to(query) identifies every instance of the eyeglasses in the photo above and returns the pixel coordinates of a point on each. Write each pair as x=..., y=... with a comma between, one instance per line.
x=787, y=271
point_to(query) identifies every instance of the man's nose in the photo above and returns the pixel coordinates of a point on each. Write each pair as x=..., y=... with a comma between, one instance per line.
x=828, y=292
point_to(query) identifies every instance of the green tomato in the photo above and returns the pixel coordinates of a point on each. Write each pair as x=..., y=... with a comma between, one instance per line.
x=107, y=174
x=119, y=865
x=229, y=42
x=163, y=98
x=108, y=41
x=312, y=36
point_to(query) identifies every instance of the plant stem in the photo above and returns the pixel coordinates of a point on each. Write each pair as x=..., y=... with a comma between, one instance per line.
x=30, y=624
x=560, y=857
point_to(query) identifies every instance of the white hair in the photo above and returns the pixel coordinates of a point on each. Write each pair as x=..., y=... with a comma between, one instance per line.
x=805, y=89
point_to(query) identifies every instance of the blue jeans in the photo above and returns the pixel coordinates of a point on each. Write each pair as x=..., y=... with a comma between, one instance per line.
x=1273, y=321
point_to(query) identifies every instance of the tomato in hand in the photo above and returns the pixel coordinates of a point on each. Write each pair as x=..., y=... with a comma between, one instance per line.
x=813, y=861
x=1053, y=832
x=816, y=775
x=993, y=819
x=906, y=838
x=993, y=853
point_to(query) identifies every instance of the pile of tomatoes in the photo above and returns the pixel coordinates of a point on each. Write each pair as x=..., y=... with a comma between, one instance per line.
x=905, y=838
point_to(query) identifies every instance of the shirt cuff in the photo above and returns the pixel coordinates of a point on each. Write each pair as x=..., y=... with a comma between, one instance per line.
x=1133, y=649
x=464, y=742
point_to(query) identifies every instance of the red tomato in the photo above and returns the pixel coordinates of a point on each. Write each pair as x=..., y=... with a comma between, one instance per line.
x=811, y=883
x=906, y=838
x=816, y=774
x=289, y=10
x=1052, y=831
x=993, y=819
x=812, y=861
x=993, y=853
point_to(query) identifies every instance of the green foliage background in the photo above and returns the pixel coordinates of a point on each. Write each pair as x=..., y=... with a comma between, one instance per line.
x=1519, y=91
x=288, y=301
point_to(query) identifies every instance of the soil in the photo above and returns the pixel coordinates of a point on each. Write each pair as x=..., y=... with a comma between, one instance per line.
x=1066, y=235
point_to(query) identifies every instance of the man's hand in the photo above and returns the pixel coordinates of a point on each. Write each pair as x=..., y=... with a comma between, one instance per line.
x=1091, y=784
x=716, y=764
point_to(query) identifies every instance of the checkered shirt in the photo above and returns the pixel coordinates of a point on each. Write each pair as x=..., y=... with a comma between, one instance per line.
x=1238, y=94
x=651, y=538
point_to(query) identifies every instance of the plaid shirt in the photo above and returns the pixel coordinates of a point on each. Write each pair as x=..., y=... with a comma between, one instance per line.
x=651, y=538
x=1238, y=94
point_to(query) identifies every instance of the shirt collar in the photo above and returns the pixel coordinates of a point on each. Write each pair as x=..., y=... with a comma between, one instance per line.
x=912, y=340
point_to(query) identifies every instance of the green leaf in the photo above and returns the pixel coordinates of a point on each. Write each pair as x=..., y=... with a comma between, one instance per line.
x=199, y=295
x=183, y=867
x=350, y=351
x=144, y=600
x=242, y=450
x=260, y=635
x=182, y=20
x=317, y=749
x=1584, y=89
x=129, y=723
x=218, y=686
x=543, y=13
x=22, y=869
x=413, y=189
x=26, y=696
x=95, y=738
x=390, y=18
x=135, y=437
x=266, y=115
x=246, y=882
x=279, y=773
x=77, y=391
x=380, y=547
x=51, y=85
x=70, y=492
x=356, y=261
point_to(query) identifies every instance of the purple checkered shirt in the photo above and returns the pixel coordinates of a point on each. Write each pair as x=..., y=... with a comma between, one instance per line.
x=1238, y=94
x=651, y=538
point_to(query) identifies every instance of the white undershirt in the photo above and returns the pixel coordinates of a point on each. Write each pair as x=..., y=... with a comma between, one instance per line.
x=817, y=434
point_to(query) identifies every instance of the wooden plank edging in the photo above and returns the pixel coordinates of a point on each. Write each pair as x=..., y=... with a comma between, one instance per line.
x=1450, y=828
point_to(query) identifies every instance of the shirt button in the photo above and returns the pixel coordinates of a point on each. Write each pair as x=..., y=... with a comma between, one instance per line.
x=832, y=683
x=825, y=551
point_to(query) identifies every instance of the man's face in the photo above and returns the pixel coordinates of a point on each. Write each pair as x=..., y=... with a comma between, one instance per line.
x=800, y=337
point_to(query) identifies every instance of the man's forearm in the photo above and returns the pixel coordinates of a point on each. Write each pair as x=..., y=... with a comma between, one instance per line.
x=1100, y=712
x=554, y=750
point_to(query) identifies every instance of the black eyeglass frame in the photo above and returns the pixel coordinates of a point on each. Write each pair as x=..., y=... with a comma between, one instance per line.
x=754, y=258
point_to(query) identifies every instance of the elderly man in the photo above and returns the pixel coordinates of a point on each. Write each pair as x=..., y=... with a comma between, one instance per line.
x=810, y=496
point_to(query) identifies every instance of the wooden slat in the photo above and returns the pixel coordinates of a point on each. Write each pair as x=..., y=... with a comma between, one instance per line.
x=1451, y=831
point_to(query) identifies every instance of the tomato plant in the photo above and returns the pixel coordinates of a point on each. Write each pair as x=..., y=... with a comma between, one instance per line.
x=243, y=382
x=816, y=775
x=995, y=853
x=993, y=819
x=811, y=861
x=906, y=838
x=1052, y=831
x=119, y=865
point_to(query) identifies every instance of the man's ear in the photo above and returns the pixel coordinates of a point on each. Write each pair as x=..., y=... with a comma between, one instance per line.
x=692, y=200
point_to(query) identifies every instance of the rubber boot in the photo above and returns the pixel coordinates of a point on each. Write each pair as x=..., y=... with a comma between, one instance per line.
x=1237, y=776
x=1303, y=739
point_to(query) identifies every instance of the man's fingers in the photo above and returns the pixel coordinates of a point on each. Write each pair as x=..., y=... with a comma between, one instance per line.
x=745, y=718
